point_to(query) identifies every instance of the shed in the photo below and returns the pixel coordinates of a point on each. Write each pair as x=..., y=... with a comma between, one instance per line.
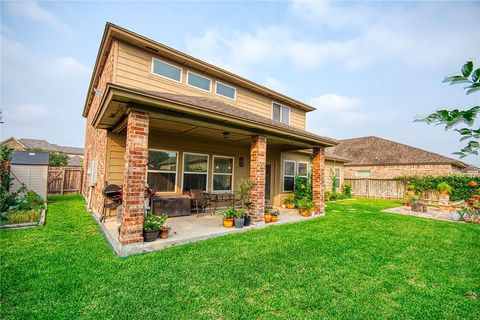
x=30, y=168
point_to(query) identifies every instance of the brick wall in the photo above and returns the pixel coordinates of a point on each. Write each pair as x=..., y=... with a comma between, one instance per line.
x=318, y=178
x=96, y=139
x=136, y=159
x=258, y=160
x=391, y=171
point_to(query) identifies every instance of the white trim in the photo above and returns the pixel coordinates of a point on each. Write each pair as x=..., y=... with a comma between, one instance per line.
x=172, y=65
x=223, y=174
x=188, y=172
x=226, y=85
x=198, y=75
x=281, y=114
x=165, y=171
x=289, y=175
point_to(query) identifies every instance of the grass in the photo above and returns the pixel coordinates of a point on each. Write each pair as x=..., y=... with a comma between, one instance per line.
x=356, y=262
x=23, y=216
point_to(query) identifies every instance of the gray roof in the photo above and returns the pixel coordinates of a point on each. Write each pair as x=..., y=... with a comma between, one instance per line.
x=30, y=157
x=47, y=146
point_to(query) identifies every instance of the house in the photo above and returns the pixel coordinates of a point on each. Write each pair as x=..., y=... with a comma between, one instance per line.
x=75, y=155
x=159, y=116
x=378, y=158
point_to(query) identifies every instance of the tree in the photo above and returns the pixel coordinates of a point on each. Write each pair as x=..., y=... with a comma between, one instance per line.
x=6, y=153
x=57, y=159
x=454, y=117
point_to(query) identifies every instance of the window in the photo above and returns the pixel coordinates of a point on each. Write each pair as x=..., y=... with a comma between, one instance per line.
x=288, y=175
x=166, y=70
x=162, y=170
x=222, y=173
x=363, y=173
x=302, y=170
x=197, y=81
x=195, y=171
x=226, y=91
x=280, y=113
x=337, y=177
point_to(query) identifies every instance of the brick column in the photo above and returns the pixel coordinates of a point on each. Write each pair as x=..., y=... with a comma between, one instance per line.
x=318, y=179
x=258, y=159
x=136, y=157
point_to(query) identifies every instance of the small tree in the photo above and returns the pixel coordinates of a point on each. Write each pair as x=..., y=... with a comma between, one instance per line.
x=451, y=118
x=58, y=159
x=6, y=153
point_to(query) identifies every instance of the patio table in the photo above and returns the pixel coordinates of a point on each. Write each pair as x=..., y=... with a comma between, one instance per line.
x=226, y=197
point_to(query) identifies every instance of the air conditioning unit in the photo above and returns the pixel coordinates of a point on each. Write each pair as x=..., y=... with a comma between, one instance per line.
x=92, y=172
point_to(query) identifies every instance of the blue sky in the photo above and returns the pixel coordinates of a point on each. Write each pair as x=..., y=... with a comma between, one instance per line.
x=369, y=67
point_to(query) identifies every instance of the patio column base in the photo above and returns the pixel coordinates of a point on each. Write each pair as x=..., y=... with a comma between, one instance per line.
x=318, y=179
x=258, y=160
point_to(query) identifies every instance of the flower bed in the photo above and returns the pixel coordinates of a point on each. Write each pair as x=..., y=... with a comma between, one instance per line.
x=20, y=209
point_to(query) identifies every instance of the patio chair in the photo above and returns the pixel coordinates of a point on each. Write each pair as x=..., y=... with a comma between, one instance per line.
x=201, y=201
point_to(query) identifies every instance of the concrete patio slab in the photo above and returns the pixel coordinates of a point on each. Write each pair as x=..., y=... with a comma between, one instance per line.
x=432, y=213
x=189, y=229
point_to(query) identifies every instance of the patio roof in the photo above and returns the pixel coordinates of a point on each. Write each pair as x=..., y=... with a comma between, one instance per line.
x=118, y=99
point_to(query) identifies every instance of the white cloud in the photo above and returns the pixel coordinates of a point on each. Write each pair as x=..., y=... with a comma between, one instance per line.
x=26, y=114
x=275, y=84
x=32, y=10
x=337, y=109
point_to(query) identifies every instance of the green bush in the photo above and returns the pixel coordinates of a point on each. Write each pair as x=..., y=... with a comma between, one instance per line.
x=347, y=190
x=303, y=189
x=459, y=183
x=153, y=222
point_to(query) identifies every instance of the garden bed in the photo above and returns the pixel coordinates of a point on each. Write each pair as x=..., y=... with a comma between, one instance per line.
x=40, y=221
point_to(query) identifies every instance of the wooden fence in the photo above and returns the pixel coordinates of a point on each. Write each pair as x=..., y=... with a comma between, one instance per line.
x=64, y=180
x=376, y=188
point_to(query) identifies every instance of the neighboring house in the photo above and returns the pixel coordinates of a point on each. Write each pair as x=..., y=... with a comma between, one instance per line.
x=378, y=158
x=157, y=115
x=30, y=168
x=75, y=155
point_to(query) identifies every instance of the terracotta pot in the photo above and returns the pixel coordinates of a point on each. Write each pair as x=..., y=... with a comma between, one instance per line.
x=305, y=213
x=228, y=223
x=327, y=198
x=268, y=218
x=476, y=197
x=444, y=192
x=274, y=218
x=290, y=206
x=164, y=233
x=473, y=184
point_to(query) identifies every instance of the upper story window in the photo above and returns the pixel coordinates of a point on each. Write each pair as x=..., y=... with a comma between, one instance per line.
x=280, y=113
x=198, y=81
x=226, y=91
x=166, y=70
x=162, y=170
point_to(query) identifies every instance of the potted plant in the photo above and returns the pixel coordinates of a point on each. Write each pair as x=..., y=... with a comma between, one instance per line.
x=327, y=195
x=165, y=231
x=304, y=206
x=268, y=216
x=228, y=216
x=473, y=184
x=246, y=219
x=152, y=225
x=444, y=188
x=239, y=218
x=289, y=202
x=275, y=214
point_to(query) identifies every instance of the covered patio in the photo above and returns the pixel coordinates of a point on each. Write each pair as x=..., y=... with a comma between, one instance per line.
x=140, y=122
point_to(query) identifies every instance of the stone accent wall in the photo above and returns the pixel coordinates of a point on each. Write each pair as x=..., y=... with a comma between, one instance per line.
x=136, y=159
x=392, y=171
x=318, y=178
x=96, y=139
x=258, y=159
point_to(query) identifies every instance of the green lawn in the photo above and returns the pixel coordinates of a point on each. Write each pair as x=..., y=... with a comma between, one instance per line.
x=354, y=263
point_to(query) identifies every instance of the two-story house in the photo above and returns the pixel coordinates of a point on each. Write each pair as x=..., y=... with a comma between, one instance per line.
x=158, y=116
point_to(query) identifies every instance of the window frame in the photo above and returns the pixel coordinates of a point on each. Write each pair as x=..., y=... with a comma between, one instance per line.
x=198, y=75
x=369, y=174
x=298, y=174
x=170, y=64
x=189, y=172
x=281, y=113
x=289, y=176
x=222, y=174
x=226, y=85
x=339, y=177
x=165, y=171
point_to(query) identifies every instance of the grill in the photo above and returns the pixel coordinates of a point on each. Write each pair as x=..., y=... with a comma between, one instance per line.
x=112, y=198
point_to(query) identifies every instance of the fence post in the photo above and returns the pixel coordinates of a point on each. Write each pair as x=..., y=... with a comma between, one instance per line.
x=367, y=187
x=63, y=181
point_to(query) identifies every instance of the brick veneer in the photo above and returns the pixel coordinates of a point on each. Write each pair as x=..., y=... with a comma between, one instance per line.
x=136, y=158
x=318, y=177
x=258, y=159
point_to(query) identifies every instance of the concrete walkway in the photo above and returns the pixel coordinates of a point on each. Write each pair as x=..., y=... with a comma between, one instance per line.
x=432, y=213
x=189, y=229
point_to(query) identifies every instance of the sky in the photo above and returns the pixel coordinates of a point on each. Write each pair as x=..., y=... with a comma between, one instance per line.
x=369, y=67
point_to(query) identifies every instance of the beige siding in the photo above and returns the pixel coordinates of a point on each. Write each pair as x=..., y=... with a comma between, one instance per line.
x=35, y=177
x=329, y=166
x=134, y=69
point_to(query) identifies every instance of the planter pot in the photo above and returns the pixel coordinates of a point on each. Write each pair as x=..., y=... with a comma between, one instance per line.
x=473, y=184
x=305, y=213
x=239, y=222
x=228, y=223
x=455, y=216
x=164, y=233
x=327, y=198
x=283, y=206
x=246, y=221
x=268, y=218
x=149, y=236
x=274, y=218
x=290, y=206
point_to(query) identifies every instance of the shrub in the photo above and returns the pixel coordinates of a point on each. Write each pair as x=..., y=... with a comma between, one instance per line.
x=6, y=153
x=303, y=189
x=305, y=205
x=229, y=213
x=445, y=187
x=57, y=159
x=153, y=222
x=347, y=190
